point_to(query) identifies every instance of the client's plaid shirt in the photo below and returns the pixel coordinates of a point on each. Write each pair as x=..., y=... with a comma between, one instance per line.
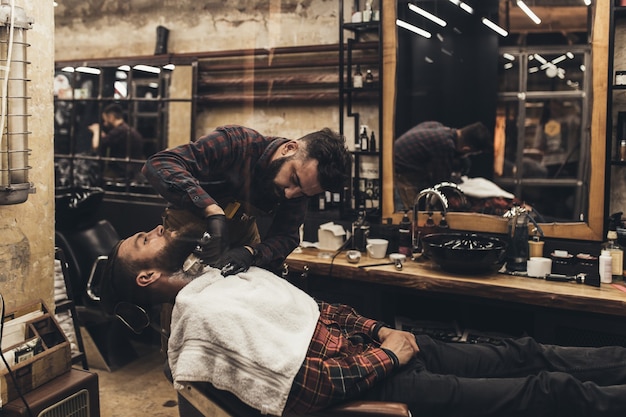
x=343, y=360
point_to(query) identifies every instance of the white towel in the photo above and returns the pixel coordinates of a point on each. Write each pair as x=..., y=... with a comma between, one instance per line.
x=247, y=334
x=482, y=188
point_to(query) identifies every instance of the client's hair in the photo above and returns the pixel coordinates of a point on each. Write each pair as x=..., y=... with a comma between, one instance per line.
x=117, y=282
x=329, y=149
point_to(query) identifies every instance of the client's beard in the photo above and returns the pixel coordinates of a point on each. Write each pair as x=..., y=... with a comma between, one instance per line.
x=178, y=248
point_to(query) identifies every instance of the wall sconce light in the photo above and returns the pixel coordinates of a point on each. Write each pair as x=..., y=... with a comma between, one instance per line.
x=14, y=151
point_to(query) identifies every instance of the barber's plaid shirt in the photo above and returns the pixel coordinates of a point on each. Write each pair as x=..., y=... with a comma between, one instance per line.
x=223, y=164
x=425, y=154
x=343, y=360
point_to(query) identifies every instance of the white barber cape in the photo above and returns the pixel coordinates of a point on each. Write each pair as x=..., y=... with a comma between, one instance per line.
x=246, y=333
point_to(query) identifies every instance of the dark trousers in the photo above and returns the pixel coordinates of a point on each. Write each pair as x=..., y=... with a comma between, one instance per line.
x=516, y=378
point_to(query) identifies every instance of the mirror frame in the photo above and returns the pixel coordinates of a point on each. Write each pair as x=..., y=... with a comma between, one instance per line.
x=593, y=229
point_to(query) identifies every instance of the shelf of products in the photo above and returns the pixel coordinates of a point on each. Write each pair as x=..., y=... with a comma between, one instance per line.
x=360, y=87
x=616, y=105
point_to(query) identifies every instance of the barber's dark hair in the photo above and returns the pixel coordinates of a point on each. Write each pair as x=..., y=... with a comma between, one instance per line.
x=329, y=149
x=115, y=110
x=477, y=136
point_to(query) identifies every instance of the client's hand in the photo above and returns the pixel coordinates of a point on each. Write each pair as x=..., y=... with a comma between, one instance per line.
x=214, y=242
x=235, y=260
x=401, y=343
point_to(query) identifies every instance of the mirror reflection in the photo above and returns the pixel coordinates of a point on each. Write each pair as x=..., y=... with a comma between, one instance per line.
x=529, y=85
x=108, y=120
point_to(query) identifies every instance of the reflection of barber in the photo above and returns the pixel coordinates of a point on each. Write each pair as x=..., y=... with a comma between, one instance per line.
x=118, y=140
x=235, y=173
x=430, y=152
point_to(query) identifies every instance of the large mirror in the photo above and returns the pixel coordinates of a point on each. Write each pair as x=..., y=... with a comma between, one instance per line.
x=110, y=115
x=518, y=85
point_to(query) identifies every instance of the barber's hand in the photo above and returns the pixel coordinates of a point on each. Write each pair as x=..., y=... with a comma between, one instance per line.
x=214, y=242
x=235, y=261
x=401, y=343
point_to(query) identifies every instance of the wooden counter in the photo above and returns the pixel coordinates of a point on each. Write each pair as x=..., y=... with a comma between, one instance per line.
x=428, y=277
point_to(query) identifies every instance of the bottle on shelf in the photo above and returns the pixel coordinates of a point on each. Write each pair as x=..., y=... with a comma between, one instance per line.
x=372, y=147
x=363, y=139
x=360, y=230
x=367, y=13
x=617, y=255
x=605, y=262
x=404, y=235
x=357, y=78
x=369, y=78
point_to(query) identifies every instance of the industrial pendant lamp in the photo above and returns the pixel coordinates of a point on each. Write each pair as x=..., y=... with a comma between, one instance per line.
x=14, y=151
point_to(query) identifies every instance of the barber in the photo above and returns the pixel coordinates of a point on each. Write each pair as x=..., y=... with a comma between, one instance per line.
x=429, y=153
x=226, y=182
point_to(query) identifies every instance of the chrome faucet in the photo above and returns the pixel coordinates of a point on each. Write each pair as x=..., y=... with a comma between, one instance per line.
x=431, y=196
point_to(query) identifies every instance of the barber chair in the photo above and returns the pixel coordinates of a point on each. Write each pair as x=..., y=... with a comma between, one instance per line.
x=201, y=399
x=85, y=239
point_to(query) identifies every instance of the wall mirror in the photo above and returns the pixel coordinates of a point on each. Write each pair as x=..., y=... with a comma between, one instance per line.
x=515, y=85
x=150, y=98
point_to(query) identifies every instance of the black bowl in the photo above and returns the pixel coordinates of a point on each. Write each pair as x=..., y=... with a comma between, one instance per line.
x=465, y=253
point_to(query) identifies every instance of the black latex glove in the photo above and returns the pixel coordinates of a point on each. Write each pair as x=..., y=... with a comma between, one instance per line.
x=235, y=261
x=214, y=242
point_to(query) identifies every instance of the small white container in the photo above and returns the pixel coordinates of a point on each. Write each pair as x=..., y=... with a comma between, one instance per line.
x=605, y=262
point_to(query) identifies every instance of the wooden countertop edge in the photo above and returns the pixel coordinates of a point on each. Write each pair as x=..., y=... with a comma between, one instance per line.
x=426, y=277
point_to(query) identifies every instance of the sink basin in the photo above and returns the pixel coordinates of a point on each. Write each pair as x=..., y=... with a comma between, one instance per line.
x=465, y=253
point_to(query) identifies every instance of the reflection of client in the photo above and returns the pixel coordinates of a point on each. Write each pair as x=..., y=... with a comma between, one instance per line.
x=118, y=140
x=430, y=152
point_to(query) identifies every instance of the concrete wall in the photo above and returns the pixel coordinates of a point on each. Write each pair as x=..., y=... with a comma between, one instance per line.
x=27, y=229
x=118, y=28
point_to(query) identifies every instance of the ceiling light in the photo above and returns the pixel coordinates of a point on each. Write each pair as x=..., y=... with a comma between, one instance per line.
x=413, y=29
x=508, y=56
x=587, y=2
x=67, y=69
x=170, y=67
x=124, y=68
x=529, y=12
x=495, y=27
x=88, y=70
x=508, y=65
x=427, y=15
x=463, y=6
x=147, y=68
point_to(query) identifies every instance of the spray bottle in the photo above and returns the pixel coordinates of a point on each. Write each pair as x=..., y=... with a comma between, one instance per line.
x=404, y=235
x=616, y=251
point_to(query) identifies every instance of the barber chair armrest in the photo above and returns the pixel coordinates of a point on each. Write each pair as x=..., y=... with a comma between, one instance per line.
x=211, y=402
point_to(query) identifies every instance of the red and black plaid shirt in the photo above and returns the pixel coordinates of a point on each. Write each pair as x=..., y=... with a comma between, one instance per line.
x=343, y=360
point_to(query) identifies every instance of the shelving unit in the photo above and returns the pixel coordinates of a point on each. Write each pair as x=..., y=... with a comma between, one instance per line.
x=616, y=122
x=360, y=43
